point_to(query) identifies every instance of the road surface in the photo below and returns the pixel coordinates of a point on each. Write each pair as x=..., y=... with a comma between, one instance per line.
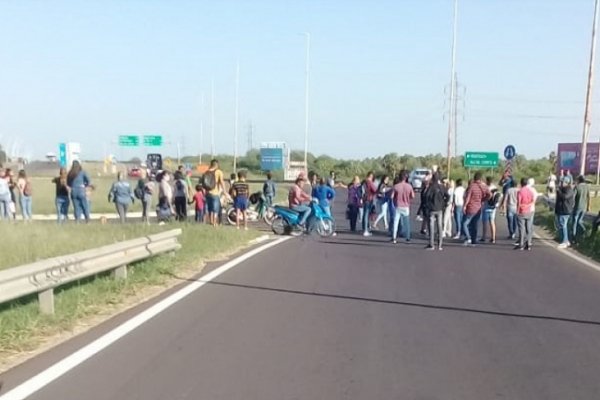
x=355, y=318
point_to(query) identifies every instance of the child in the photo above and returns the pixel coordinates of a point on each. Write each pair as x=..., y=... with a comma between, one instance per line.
x=240, y=192
x=163, y=211
x=200, y=200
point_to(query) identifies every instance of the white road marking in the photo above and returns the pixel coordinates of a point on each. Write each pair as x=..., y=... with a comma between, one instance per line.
x=52, y=373
x=569, y=253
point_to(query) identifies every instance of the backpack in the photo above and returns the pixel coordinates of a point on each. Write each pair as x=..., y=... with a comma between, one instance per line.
x=27, y=190
x=138, y=192
x=494, y=201
x=437, y=198
x=209, y=180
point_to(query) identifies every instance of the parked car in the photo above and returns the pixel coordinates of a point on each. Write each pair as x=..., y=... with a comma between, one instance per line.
x=417, y=176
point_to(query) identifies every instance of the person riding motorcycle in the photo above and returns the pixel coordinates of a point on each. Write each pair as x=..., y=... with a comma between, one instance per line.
x=297, y=200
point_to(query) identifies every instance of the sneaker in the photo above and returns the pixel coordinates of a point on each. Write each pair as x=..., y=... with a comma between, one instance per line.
x=440, y=248
x=367, y=234
x=334, y=234
x=456, y=237
x=408, y=240
x=467, y=243
x=517, y=247
x=493, y=241
x=563, y=245
x=394, y=241
x=429, y=247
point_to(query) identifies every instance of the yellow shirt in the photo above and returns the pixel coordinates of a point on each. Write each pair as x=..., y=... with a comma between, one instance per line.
x=218, y=183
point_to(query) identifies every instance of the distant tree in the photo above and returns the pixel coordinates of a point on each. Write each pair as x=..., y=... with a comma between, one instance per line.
x=391, y=163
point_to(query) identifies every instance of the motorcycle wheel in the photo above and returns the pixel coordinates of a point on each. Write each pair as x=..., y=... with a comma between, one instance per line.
x=279, y=225
x=325, y=227
x=231, y=216
x=269, y=216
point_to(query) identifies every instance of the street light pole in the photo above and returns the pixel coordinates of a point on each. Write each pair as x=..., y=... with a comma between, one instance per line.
x=588, y=99
x=236, y=122
x=451, y=114
x=201, y=128
x=306, y=99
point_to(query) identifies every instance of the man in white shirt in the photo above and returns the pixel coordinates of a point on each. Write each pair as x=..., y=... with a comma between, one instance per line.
x=459, y=203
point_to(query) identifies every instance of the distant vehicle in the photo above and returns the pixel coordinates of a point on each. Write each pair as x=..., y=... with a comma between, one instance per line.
x=417, y=176
x=135, y=172
x=154, y=163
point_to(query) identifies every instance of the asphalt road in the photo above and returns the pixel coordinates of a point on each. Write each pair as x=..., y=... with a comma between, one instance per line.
x=355, y=318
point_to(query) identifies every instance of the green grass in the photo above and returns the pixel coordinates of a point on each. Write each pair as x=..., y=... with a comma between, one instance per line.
x=22, y=327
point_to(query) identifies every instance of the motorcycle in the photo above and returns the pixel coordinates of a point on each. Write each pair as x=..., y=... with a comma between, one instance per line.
x=286, y=221
x=258, y=211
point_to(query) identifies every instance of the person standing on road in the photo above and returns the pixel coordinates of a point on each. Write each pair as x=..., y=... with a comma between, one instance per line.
x=402, y=196
x=565, y=204
x=477, y=193
x=325, y=194
x=78, y=181
x=509, y=205
x=122, y=195
x=489, y=211
x=331, y=179
x=165, y=191
x=551, y=186
x=5, y=199
x=180, y=197
x=297, y=199
x=213, y=183
x=269, y=190
x=25, y=193
x=241, y=193
x=448, y=211
x=436, y=201
x=62, y=196
x=381, y=201
x=459, y=201
x=354, y=202
x=582, y=205
x=423, y=207
x=525, y=213
x=369, y=193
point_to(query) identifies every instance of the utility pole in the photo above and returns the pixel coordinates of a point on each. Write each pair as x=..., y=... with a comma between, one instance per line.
x=212, y=118
x=201, y=128
x=452, y=109
x=250, y=136
x=455, y=115
x=236, y=122
x=588, y=99
x=306, y=94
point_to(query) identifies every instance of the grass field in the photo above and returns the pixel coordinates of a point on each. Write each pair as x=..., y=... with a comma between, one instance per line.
x=44, y=195
x=23, y=328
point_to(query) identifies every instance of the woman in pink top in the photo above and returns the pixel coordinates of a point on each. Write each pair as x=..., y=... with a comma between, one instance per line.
x=525, y=213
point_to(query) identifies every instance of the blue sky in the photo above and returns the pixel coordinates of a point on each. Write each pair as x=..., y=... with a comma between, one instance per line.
x=88, y=71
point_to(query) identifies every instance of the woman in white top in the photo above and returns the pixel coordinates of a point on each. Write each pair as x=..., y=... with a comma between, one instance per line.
x=459, y=203
x=449, y=208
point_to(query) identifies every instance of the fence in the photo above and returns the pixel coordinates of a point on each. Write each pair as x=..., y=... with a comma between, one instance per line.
x=44, y=276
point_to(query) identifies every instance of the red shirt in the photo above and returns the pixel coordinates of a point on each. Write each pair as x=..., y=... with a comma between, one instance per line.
x=370, y=190
x=477, y=193
x=296, y=196
x=403, y=194
x=199, y=200
x=525, y=201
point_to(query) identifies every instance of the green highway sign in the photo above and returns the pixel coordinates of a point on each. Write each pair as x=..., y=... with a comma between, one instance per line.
x=477, y=159
x=129, y=141
x=153, y=140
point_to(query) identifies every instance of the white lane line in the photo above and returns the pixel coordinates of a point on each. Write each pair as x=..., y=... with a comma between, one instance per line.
x=569, y=253
x=45, y=377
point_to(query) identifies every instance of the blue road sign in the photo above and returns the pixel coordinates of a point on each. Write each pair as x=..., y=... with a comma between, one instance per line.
x=271, y=159
x=510, y=152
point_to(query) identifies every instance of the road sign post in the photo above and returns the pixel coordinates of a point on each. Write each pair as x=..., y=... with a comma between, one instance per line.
x=509, y=154
x=477, y=159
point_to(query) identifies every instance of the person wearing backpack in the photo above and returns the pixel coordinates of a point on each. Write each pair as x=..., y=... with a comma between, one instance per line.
x=25, y=192
x=436, y=200
x=489, y=211
x=213, y=184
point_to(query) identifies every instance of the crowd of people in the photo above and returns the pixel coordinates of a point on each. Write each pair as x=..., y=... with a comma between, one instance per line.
x=452, y=209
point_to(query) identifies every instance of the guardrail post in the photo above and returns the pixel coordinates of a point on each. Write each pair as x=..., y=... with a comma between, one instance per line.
x=120, y=272
x=46, y=300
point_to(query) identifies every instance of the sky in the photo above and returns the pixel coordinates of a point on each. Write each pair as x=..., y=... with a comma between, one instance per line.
x=89, y=71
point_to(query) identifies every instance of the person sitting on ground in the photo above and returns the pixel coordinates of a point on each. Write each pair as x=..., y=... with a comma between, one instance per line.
x=297, y=199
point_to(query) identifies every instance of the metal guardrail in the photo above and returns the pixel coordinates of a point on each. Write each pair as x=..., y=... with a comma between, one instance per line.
x=42, y=277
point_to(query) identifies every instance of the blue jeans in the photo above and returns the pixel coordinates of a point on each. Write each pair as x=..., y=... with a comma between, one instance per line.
x=5, y=207
x=366, y=214
x=80, y=204
x=578, y=221
x=25, y=206
x=269, y=200
x=470, y=224
x=304, y=213
x=458, y=220
x=511, y=219
x=563, y=227
x=401, y=220
x=62, y=208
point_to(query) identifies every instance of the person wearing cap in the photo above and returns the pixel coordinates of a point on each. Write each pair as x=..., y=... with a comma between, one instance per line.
x=565, y=204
